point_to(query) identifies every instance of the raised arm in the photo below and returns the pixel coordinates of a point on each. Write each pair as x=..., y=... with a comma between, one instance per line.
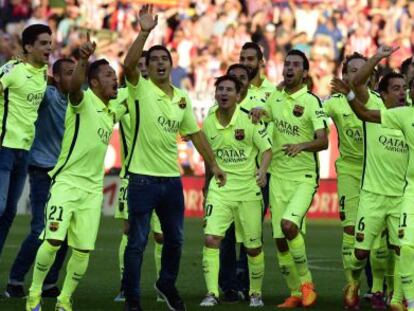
x=364, y=114
x=359, y=83
x=79, y=74
x=147, y=22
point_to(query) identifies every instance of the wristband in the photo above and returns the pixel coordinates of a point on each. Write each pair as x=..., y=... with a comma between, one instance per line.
x=350, y=96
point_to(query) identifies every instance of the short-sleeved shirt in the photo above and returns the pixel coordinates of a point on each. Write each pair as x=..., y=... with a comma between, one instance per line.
x=350, y=135
x=23, y=90
x=385, y=155
x=156, y=120
x=88, y=129
x=261, y=92
x=125, y=141
x=295, y=119
x=402, y=119
x=50, y=126
x=236, y=146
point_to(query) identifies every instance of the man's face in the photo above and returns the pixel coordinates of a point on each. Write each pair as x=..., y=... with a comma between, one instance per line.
x=63, y=77
x=107, y=82
x=241, y=75
x=159, y=66
x=226, y=94
x=293, y=72
x=248, y=57
x=41, y=48
x=410, y=71
x=395, y=95
x=353, y=66
x=142, y=67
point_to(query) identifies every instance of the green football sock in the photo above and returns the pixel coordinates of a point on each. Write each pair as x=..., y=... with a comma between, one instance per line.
x=397, y=296
x=357, y=266
x=390, y=271
x=76, y=268
x=298, y=251
x=121, y=252
x=45, y=258
x=347, y=249
x=256, y=272
x=407, y=273
x=211, y=265
x=157, y=257
x=378, y=259
x=288, y=270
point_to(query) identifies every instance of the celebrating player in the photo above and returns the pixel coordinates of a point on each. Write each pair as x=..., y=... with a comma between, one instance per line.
x=236, y=142
x=160, y=111
x=74, y=205
x=43, y=157
x=300, y=131
x=383, y=185
x=22, y=86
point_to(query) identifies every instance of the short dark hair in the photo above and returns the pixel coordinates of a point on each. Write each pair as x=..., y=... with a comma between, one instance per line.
x=57, y=65
x=93, y=70
x=385, y=80
x=238, y=66
x=157, y=48
x=301, y=54
x=348, y=58
x=30, y=34
x=229, y=78
x=410, y=84
x=254, y=46
x=405, y=65
x=144, y=54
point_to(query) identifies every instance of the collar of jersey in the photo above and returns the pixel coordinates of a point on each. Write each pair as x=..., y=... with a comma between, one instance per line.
x=176, y=92
x=297, y=94
x=263, y=85
x=34, y=69
x=232, y=121
x=98, y=103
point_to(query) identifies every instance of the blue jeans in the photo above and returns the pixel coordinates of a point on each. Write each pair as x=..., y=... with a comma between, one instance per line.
x=13, y=171
x=39, y=194
x=234, y=274
x=165, y=195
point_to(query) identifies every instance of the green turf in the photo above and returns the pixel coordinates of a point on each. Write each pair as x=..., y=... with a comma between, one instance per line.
x=101, y=283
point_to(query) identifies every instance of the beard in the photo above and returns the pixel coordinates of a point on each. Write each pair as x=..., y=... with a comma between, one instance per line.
x=253, y=72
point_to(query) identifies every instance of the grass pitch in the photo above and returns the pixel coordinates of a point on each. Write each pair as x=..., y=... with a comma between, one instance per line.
x=101, y=283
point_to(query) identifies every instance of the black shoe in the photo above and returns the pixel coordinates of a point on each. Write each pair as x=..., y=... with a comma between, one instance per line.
x=52, y=292
x=171, y=297
x=132, y=305
x=230, y=296
x=14, y=291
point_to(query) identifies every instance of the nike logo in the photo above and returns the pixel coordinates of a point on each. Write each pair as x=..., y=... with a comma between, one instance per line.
x=278, y=100
x=252, y=240
x=295, y=215
x=346, y=115
x=29, y=77
x=213, y=137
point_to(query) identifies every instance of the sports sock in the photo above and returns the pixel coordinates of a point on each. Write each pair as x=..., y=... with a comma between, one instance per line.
x=288, y=270
x=298, y=251
x=406, y=268
x=397, y=296
x=357, y=266
x=157, y=257
x=121, y=252
x=211, y=265
x=390, y=271
x=378, y=258
x=256, y=273
x=347, y=249
x=76, y=268
x=45, y=257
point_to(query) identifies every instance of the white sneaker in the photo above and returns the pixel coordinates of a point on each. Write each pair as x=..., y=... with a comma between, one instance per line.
x=256, y=301
x=209, y=301
x=120, y=297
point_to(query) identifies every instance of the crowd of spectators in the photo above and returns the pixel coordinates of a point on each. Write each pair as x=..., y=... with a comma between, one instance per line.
x=205, y=36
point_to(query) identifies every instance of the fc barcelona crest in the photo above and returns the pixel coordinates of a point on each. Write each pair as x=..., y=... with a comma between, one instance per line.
x=54, y=226
x=298, y=110
x=239, y=134
x=182, y=103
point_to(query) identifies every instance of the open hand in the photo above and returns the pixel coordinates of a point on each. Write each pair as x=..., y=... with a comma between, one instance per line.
x=386, y=50
x=219, y=175
x=261, y=178
x=339, y=86
x=292, y=149
x=147, y=20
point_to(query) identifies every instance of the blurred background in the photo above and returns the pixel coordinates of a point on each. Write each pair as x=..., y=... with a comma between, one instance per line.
x=205, y=36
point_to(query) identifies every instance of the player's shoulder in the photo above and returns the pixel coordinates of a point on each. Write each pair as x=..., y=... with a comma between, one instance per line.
x=313, y=98
x=9, y=67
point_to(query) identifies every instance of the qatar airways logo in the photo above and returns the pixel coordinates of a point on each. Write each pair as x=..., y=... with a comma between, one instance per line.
x=231, y=155
x=354, y=134
x=170, y=126
x=286, y=128
x=393, y=144
x=35, y=98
